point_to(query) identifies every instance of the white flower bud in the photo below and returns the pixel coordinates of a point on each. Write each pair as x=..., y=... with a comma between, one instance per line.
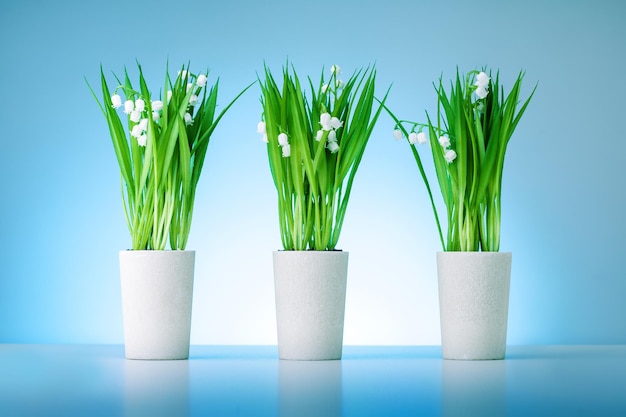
x=318, y=135
x=155, y=116
x=260, y=128
x=141, y=140
x=193, y=100
x=444, y=141
x=188, y=119
x=412, y=138
x=422, y=138
x=332, y=136
x=397, y=133
x=143, y=124
x=335, y=69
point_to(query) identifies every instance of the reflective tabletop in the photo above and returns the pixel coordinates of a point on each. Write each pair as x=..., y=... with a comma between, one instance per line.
x=96, y=380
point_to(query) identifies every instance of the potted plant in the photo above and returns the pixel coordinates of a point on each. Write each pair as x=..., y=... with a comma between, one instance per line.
x=314, y=145
x=160, y=147
x=468, y=139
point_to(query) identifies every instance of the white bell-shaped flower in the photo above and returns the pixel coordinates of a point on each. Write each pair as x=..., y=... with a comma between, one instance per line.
x=143, y=124
x=140, y=105
x=450, y=155
x=283, y=140
x=481, y=92
x=325, y=121
x=157, y=105
x=332, y=147
x=335, y=123
x=136, y=131
x=201, y=80
x=129, y=106
x=286, y=151
x=135, y=116
x=116, y=101
x=482, y=79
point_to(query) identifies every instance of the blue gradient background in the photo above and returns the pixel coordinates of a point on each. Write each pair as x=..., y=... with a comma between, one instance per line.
x=564, y=196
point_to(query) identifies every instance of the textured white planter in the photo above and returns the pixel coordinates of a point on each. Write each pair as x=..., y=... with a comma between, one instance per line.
x=157, y=291
x=474, y=303
x=310, y=291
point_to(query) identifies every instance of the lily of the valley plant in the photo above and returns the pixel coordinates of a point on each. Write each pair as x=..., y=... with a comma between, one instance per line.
x=468, y=139
x=315, y=145
x=160, y=141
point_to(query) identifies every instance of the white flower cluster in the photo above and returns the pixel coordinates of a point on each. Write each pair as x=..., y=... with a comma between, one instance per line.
x=420, y=138
x=137, y=110
x=283, y=140
x=482, y=85
x=449, y=154
x=329, y=124
x=339, y=84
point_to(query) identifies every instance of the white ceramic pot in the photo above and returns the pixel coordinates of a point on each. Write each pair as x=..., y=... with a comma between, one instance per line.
x=474, y=303
x=157, y=292
x=310, y=288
